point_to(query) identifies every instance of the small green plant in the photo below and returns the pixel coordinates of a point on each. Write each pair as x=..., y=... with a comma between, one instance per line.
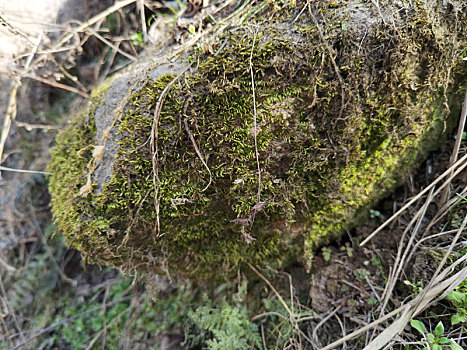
x=137, y=39
x=326, y=253
x=348, y=249
x=434, y=341
x=278, y=329
x=229, y=325
x=192, y=29
x=361, y=274
x=374, y=213
x=417, y=287
x=458, y=298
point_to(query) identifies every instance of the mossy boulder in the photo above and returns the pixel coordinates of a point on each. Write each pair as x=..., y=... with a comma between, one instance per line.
x=263, y=143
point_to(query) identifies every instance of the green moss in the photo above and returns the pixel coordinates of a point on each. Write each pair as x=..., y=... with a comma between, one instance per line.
x=329, y=145
x=70, y=158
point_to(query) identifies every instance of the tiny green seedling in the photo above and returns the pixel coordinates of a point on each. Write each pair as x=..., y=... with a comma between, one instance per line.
x=372, y=301
x=417, y=287
x=459, y=299
x=192, y=29
x=326, y=253
x=137, y=39
x=361, y=274
x=434, y=341
x=348, y=249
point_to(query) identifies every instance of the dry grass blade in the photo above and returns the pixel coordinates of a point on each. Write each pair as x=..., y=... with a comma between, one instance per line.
x=292, y=316
x=434, y=279
x=284, y=304
x=117, y=6
x=418, y=305
x=198, y=153
x=451, y=172
x=4, y=168
x=457, y=145
x=439, y=285
x=154, y=146
x=10, y=116
x=255, y=118
x=108, y=43
x=58, y=85
x=408, y=310
x=401, y=258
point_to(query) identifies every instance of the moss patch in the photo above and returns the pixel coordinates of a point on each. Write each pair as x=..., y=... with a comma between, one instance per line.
x=339, y=121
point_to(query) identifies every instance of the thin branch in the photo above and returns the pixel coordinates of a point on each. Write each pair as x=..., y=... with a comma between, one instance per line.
x=15, y=31
x=108, y=43
x=73, y=78
x=58, y=85
x=143, y=19
x=10, y=310
x=30, y=127
x=7, y=266
x=198, y=153
x=323, y=321
x=255, y=119
x=4, y=168
x=443, y=261
x=154, y=138
x=117, y=6
x=284, y=304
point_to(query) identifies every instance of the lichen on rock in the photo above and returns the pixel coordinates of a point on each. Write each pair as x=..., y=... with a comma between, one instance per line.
x=264, y=146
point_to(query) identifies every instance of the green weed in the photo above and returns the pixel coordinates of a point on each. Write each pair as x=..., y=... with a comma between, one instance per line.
x=436, y=340
x=458, y=298
x=228, y=326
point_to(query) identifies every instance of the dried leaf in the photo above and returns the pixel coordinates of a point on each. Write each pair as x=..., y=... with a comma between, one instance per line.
x=105, y=135
x=248, y=238
x=84, y=191
x=243, y=222
x=258, y=207
x=98, y=152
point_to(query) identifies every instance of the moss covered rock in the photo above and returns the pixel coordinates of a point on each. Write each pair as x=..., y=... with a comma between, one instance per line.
x=267, y=141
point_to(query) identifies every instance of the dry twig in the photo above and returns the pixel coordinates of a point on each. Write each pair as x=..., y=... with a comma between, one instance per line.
x=452, y=172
